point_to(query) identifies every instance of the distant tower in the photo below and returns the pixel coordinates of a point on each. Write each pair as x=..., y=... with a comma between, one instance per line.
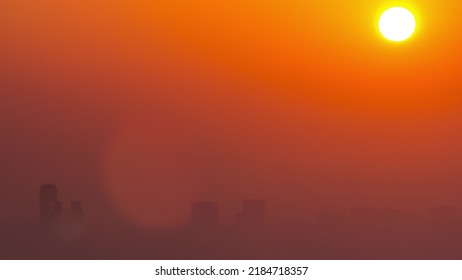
x=252, y=216
x=205, y=215
x=50, y=208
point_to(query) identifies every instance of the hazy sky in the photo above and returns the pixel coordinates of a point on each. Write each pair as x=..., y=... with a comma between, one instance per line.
x=137, y=108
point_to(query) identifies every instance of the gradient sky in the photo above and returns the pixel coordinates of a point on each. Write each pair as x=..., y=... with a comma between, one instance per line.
x=137, y=108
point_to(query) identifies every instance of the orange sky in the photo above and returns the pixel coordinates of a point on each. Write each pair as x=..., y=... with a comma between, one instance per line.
x=307, y=48
x=299, y=92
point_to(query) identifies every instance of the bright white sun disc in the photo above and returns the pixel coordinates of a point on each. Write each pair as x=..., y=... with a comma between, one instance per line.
x=397, y=24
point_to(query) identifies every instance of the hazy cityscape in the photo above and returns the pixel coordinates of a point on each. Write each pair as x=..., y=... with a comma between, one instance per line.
x=361, y=233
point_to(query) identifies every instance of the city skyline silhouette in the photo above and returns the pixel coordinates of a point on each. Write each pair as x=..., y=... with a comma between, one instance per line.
x=228, y=130
x=361, y=232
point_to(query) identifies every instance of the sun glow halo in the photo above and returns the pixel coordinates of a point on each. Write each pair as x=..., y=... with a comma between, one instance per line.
x=397, y=24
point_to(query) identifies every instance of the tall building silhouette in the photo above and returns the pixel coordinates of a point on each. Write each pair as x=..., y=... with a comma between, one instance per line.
x=66, y=223
x=205, y=215
x=252, y=216
x=50, y=207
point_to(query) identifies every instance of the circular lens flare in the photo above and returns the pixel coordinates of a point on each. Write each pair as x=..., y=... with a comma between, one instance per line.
x=397, y=24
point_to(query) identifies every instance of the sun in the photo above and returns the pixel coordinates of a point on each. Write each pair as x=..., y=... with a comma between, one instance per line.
x=397, y=24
